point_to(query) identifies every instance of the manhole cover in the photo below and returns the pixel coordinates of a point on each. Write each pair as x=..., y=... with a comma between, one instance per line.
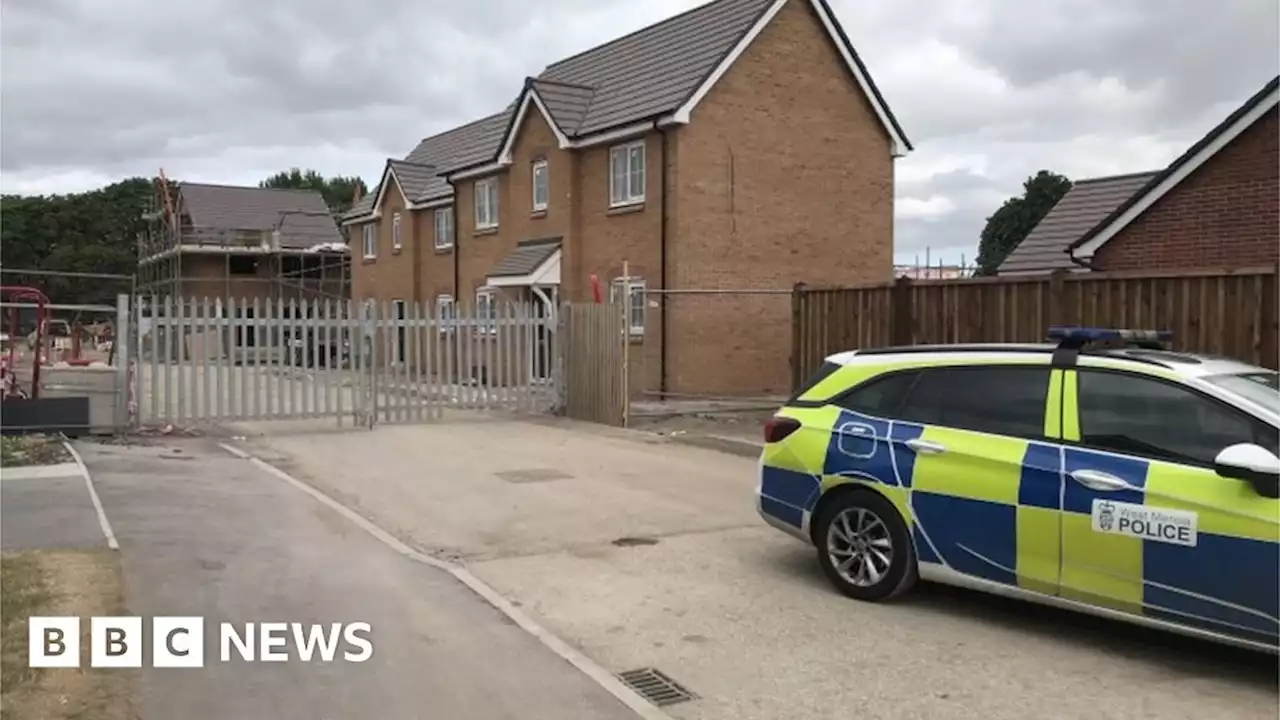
x=531, y=475
x=653, y=685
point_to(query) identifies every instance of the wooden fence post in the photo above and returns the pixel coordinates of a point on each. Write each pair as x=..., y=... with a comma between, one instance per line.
x=1055, y=305
x=901, y=328
x=797, y=334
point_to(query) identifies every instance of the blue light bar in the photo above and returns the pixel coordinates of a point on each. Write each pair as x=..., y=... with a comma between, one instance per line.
x=1065, y=332
x=1070, y=334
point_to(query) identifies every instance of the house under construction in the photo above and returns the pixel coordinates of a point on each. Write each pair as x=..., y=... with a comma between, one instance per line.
x=221, y=241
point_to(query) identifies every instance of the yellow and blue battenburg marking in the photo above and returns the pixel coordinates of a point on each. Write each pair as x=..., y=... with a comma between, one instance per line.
x=1005, y=510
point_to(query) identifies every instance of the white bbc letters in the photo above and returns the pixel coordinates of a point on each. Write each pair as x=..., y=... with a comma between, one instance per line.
x=115, y=642
x=177, y=642
x=53, y=642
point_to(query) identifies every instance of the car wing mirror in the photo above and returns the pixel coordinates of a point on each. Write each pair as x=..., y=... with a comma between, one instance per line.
x=1253, y=464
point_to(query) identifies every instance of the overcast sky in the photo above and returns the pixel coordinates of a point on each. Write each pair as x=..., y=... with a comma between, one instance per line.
x=231, y=91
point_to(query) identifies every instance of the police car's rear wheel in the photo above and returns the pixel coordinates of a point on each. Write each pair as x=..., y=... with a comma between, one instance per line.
x=864, y=547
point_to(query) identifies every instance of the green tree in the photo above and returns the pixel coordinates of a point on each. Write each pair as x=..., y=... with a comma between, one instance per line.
x=92, y=232
x=1017, y=217
x=337, y=191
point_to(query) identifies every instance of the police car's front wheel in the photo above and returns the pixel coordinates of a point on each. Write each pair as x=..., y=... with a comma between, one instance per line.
x=864, y=547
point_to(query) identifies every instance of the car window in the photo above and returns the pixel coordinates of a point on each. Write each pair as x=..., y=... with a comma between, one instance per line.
x=881, y=396
x=1142, y=416
x=1001, y=400
x=822, y=374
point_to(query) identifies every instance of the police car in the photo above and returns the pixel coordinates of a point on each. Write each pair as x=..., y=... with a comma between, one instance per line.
x=1102, y=473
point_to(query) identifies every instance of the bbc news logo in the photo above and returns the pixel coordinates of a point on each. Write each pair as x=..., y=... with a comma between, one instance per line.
x=178, y=642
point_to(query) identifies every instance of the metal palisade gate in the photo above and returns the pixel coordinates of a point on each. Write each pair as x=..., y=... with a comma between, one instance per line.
x=223, y=360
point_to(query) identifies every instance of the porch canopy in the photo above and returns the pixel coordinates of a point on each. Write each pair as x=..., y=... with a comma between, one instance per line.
x=533, y=264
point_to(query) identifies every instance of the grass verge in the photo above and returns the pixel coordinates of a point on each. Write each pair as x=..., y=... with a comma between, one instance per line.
x=22, y=450
x=76, y=583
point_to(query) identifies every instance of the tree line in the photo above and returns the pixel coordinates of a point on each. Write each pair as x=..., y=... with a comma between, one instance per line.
x=97, y=231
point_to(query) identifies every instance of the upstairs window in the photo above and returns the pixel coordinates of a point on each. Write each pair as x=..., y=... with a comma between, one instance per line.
x=396, y=240
x=444, y=230
x=540, y=188
x=487, y=203
x=370, y=236
x=626, y=174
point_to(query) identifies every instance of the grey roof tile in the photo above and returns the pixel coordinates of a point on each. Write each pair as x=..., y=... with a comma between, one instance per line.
x=363, y=206
x=1082, y=208
x=301, y=215
x=527, y=257
x=414, y=178
x=567, y=103
x=653, y=70
x=462, y=146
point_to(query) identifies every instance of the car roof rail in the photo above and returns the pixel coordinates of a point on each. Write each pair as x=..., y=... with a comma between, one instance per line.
x=959, y=347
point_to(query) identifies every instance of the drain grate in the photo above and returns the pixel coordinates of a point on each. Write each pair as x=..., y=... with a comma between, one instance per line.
x=531, y=475
x=653, y=685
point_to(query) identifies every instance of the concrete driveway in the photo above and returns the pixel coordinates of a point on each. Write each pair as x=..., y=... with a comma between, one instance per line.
x=208, y=534
x=648, y=553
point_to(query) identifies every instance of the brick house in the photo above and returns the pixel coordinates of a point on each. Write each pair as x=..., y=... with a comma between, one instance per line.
x=1217, y=205
x=739, y=145
x=248, y=243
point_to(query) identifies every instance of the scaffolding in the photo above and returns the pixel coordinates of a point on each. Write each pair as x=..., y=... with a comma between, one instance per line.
x=177, y=259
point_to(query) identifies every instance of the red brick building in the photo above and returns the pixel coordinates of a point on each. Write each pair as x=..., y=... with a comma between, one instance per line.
x=1215, y=206
x=740, y=145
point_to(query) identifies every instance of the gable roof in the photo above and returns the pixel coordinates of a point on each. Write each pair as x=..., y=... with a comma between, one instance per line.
x=419, y=171
x=301, y=216
x=1086, y=204
x=1197, y=155
x=663, y=71
x=660, y=71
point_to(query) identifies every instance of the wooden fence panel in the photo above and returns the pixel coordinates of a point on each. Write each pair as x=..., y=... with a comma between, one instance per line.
x=593, y=343
x=1231, y=313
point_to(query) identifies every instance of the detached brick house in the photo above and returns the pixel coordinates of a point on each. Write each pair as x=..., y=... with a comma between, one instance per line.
x=739, y=145
x=1215, y=206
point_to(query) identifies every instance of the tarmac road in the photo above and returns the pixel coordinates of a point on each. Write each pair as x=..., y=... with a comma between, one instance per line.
x=203, y=533
x=647, y=553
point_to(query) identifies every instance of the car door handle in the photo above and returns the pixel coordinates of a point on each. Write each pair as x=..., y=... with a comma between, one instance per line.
x=1098, y=480
x=927, y=447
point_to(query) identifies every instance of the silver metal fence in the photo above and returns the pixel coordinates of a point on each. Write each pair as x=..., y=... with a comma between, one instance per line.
x=215, y=360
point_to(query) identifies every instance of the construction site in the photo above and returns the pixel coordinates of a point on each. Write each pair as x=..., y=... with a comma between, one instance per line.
x=221, y=242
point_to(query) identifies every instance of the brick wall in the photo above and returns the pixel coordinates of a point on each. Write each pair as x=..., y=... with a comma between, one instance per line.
x=389, y=276
x=1225, y=214
x=785, y=175
x=435, y=271
x=608, y=236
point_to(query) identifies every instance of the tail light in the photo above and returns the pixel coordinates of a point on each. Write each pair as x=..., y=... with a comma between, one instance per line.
x=778, y=428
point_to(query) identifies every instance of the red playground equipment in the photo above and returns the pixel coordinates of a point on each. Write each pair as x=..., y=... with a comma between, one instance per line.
x=15, y=294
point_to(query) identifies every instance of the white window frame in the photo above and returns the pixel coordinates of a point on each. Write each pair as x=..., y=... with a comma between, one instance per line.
x=397, y=240
x=540, y=167
x=634, y=287
x=444, y=236
x=446, y=313
x=369, y=238
x=489, y=188
x=624, y=154
x=486, y=322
